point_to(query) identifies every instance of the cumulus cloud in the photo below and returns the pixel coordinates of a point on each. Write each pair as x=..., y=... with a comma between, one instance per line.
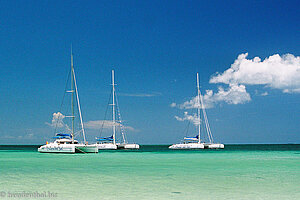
x=57, y=121
x=173, y=105
x=276, y=72
x=235, y=94
x=192, y=118
x=192, y=103
x=105, y=124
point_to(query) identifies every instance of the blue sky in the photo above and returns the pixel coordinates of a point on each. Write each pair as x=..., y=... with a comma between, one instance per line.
x=156, y=49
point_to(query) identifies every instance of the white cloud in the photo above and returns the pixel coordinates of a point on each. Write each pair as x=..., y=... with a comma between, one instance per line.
x=57, y=121
x=8, y=137
x=27, y=136
x=291, y=90
x=276, y=72
x=173, y=105
x=235, y=94
x=105, y=124
x=192, y=118
x=24, y=137
x=153, y=94
x=190, y=104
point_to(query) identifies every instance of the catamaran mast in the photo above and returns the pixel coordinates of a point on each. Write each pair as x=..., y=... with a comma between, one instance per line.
x=206, y=120
x=113, y=106
x=74, y=90
x=201, y=106
x=79, y=109
x=120, y=121
x=72, y=95
x=199, y=123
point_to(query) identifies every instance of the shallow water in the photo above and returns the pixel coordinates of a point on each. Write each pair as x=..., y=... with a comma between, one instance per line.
x=153, y=172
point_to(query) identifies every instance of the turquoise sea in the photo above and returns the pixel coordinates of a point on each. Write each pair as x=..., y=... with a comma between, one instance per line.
x=238, y=172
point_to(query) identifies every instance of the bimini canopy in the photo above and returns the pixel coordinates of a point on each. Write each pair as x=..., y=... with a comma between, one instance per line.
x=105, y=138
x=62, y=135
x=192, y=138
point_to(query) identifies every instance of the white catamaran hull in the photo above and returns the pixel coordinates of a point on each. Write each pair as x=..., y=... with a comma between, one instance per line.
x=55, y=148
x=128, y=146
x=106, y=146
x=82, y=148
x=187, y=146
x=214, y=146
x=68, y=148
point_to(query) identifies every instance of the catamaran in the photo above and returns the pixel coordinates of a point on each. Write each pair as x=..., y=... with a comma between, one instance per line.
x=65, y=142
x=110, y=143
x=196, y=142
